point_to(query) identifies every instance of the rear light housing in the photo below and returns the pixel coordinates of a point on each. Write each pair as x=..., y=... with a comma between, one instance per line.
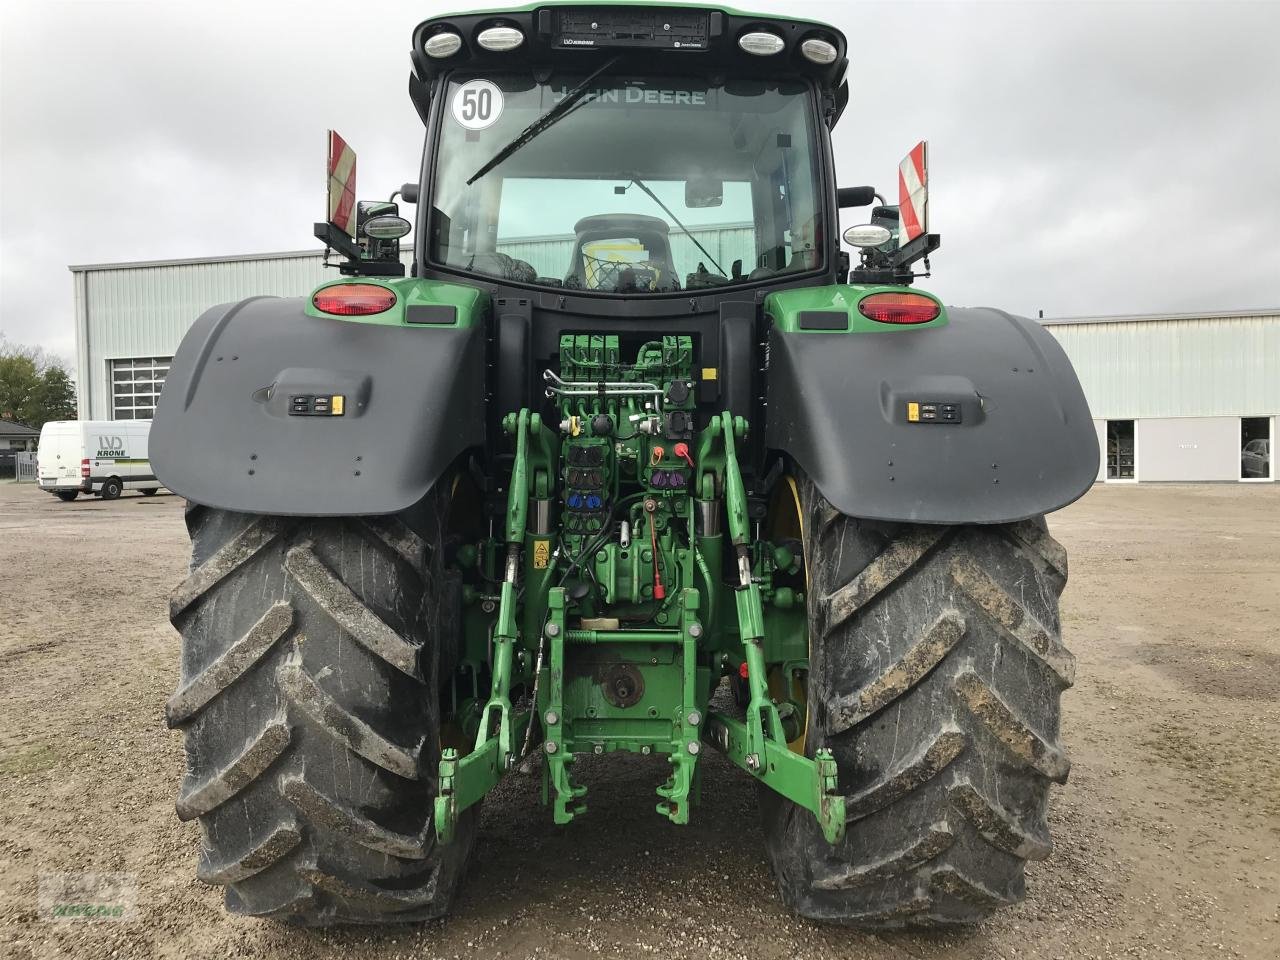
x=899, y=308
x=353, y=299
x=84, y=468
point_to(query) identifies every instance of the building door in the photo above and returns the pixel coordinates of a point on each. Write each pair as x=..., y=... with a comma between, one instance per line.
x=135, y=386
x=1122, y=461
x=1255, y=448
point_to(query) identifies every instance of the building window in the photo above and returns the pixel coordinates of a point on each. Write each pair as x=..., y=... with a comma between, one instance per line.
x=135, y=386
x=1255, y=448
x=1121, y=462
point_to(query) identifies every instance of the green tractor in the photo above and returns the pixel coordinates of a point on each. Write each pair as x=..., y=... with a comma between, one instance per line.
x=634, y=459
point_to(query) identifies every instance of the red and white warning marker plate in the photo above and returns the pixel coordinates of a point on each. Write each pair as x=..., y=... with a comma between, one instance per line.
x=342, y=184
x=913, y=194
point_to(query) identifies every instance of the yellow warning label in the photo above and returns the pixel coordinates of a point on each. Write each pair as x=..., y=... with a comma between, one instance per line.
x=913, y=412
x=710, y=373
x=336, y=405
x=541, y=554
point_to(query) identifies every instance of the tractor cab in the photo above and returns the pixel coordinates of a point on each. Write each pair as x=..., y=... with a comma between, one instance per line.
x=710, y=127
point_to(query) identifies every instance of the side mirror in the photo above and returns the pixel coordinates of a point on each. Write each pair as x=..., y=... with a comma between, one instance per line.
x=887, y=217
x=702, y=191
x=855, y=197
x=379, y=228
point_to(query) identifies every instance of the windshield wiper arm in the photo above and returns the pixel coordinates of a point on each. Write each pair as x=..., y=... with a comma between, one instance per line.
x=543, y=122
x=667, y=210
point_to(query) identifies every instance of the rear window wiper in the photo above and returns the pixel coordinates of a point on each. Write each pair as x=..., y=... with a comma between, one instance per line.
x=543, y=122
x=668, y=211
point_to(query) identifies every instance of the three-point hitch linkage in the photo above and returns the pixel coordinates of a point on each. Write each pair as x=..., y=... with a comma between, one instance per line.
x=595, y=683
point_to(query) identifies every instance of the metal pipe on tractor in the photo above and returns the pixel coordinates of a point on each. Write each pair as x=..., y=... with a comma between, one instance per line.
x=637, y=470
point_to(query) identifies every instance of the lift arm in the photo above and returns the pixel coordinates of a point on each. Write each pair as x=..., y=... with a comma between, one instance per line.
x=759, y=745
x=464, y=781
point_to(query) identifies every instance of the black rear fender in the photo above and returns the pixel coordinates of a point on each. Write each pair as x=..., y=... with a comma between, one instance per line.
x=1002, y=433
x=228, y=432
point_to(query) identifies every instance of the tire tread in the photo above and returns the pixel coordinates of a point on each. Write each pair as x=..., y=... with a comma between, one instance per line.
x=307, y=703
x=936, y=671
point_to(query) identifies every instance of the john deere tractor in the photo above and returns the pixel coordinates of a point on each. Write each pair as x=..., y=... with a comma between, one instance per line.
x=633, y=459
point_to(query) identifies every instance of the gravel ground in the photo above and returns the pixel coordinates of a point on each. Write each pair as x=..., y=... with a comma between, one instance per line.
x=1168, y=833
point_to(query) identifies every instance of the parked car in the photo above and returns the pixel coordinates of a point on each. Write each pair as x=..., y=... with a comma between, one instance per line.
x=101, y=457
x=1255, y=459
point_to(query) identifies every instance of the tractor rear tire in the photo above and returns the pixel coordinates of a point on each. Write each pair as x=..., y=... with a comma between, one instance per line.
x=309, y=702
x=936, y=669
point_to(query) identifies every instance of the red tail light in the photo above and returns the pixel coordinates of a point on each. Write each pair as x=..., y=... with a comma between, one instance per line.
x=899, y=308
x=84, y=468
x=353, y=299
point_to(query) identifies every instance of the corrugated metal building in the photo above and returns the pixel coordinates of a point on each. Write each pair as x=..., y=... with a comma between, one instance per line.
x=1179, y=396
x=1186, y=397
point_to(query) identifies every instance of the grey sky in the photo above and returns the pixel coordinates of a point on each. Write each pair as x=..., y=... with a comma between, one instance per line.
x=1085, y=157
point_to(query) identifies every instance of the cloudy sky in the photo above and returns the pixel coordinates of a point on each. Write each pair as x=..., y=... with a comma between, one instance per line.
x=1086, y=158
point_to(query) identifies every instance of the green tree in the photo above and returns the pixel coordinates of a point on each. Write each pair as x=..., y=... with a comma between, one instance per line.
x=18, y=379
x=55, y=395
x=34, y=387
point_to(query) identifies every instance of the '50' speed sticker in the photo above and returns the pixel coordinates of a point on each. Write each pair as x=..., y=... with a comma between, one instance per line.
x=477, y=104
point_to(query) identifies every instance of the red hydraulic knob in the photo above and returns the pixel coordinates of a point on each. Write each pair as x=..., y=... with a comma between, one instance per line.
x=682, y=451
x=659, y=591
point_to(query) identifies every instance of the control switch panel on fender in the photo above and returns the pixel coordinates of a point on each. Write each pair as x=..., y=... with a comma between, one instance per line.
x=932, y=411
x=317, y=405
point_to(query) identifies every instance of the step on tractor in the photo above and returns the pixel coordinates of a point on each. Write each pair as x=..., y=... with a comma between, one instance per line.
x=626, y=454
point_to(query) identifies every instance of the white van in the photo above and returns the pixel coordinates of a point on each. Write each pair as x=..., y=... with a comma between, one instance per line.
x=102, y=457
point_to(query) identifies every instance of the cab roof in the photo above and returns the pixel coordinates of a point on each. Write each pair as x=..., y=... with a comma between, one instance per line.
x=639, y=4
x=654, y=37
